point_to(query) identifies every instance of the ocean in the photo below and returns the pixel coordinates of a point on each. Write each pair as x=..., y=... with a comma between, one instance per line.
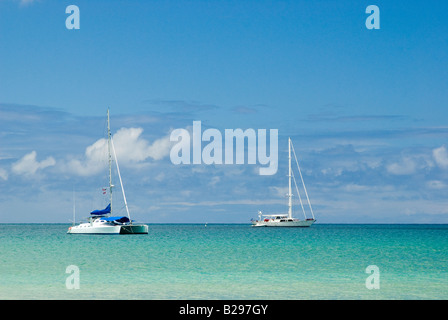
x=226, y=261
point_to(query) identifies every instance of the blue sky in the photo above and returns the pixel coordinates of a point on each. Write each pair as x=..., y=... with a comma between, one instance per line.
x=366, y=109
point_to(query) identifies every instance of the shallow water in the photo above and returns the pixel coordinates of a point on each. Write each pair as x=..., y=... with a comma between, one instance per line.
x=184, y=261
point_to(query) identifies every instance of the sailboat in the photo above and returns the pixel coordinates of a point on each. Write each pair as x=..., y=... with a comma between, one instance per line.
x=287, y=220
x=102, y=221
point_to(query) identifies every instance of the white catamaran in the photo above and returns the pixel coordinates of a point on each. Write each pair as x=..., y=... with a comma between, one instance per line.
x=287, y=220
x=102, y=221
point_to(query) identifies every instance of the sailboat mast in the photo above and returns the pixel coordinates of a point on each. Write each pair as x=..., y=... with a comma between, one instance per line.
x=121, y=181
x=74, y=206
x=289, y=184
x=110, y=160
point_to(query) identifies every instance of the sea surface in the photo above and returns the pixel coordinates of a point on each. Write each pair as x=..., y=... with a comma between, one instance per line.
x=226, y=261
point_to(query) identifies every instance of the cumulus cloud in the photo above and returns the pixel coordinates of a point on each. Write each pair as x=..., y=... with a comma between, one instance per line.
x=93, y=159
x=28, y=165
x=441, y=156
x=131, y=148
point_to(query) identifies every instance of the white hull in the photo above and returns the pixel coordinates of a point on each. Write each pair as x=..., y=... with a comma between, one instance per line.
x=86, y=228
x=279, y=223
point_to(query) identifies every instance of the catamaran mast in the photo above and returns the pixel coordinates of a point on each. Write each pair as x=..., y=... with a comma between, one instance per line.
x=110, y=160
x=289, y=184
x=74, y=206
x=121, y=181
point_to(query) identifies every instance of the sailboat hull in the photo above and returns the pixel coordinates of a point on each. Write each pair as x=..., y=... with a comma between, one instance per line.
x=279, y=223
x=86, y=228
x=129, y=229
x=134, y=229
x=124, y=229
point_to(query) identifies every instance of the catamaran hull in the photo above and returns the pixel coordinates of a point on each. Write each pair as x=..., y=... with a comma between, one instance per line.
x=296, y=223
x=94, y=230
x=134, y=229
x=128, y=229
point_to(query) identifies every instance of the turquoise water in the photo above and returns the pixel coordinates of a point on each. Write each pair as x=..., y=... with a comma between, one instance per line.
x=181, y=261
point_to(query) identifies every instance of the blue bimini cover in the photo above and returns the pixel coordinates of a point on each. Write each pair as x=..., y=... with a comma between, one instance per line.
x=119, y=219
x=101, y=212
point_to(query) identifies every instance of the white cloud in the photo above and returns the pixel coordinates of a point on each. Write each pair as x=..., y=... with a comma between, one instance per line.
x=3, y=174
x=279, y=192
x=160, y=177
x=28, y=165
x=332, y=171
x=411, y=164
x=406, y=166
x=227, y=202
x=130, y=147
x=353, y=187
x=26, y=2
x=441, y=156
x=436, y=184
x=213, y=181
